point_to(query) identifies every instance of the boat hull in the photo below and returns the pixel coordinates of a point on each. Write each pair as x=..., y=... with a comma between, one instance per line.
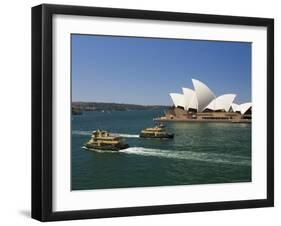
x=107, y=147
x=162, y=136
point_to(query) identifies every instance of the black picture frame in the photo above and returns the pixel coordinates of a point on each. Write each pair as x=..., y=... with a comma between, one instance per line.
x=42, y=111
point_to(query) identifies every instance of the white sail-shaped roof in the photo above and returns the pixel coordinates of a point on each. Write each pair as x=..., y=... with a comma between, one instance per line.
x=178, y=99
x=244, y=107
x=222, y=102
x=190, y=98
x=235, y=107
x=203, y=93
x=202, y=98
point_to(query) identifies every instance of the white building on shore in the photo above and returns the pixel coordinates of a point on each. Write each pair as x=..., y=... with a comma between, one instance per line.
x=201, y=103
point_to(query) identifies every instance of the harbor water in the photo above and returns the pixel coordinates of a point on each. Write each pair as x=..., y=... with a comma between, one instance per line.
x=200, y=153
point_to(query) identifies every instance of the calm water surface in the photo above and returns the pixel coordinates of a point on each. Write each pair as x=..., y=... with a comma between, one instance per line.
x=200, y=153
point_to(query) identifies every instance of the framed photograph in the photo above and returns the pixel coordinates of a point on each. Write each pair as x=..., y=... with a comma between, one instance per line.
x=145, y=112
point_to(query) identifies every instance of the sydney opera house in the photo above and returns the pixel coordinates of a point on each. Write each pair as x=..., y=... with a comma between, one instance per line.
x=201, y=104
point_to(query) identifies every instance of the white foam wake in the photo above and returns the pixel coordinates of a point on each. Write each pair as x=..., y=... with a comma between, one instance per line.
x=82, y=133
x=126, y=135
x=89, y=133
x=189, y=155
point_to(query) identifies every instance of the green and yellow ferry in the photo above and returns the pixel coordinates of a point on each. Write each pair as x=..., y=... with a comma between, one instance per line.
x=103, y=140
x=157, y=131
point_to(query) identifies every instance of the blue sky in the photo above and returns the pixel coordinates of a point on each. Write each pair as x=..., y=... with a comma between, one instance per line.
x=146, y=70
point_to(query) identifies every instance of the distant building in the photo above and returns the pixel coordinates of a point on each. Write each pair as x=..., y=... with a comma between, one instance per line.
x=202, y=104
